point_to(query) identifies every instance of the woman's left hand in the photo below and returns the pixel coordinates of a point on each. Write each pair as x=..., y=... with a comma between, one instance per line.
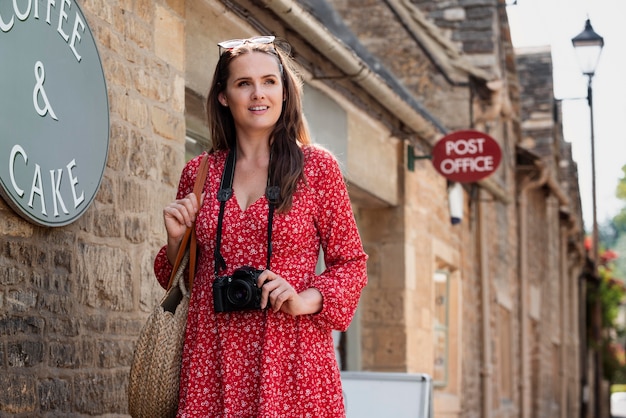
x=283, y=297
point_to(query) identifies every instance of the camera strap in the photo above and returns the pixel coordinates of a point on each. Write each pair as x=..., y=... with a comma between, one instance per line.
x=272, y=193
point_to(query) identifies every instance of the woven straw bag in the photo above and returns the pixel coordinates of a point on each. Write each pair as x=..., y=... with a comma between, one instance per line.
x=153, y=382
x=154, y=372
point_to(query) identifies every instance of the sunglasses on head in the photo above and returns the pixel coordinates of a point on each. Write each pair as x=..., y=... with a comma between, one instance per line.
x=234, y=43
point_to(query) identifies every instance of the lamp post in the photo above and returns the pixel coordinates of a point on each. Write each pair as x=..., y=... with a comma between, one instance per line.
x=588, y=46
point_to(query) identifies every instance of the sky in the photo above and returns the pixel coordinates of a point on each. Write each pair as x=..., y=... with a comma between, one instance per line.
x=554, y=23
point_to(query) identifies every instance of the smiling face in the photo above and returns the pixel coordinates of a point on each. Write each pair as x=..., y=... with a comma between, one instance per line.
x=254, y=93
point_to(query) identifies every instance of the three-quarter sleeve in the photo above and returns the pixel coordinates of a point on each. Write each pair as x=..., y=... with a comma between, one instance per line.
x=346, y=271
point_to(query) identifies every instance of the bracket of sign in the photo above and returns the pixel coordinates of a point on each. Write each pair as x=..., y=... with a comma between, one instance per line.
x=411, y=157
x=462, y=157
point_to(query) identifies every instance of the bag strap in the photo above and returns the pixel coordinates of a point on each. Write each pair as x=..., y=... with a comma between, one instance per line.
x=189, y=239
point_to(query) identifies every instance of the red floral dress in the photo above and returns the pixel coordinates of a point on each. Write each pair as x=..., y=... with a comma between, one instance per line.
x=261, y=363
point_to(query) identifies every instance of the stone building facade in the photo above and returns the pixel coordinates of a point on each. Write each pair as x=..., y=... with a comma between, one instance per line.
x=555, y=333
x=486, y=307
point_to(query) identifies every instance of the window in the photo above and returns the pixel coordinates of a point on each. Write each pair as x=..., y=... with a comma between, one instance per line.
x=440, y=330
x=195, y=145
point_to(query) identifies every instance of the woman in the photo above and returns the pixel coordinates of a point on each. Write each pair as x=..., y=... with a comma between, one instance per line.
x=276, y=359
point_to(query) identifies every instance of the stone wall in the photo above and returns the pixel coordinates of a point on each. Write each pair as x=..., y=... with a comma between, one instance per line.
x=554, y=243
x=418, y=236
x=385, y=36
x=73, y=299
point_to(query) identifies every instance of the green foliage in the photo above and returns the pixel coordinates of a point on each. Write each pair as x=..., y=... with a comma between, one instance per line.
x=618, y=388
x=619, y=221
x=620, y=192
x=610, y=294
x=620, y=263
x=610, y=291
x=613, y=362
x=607, y=234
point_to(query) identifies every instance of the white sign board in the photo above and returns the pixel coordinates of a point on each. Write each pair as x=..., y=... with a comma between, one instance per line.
x=397, y=395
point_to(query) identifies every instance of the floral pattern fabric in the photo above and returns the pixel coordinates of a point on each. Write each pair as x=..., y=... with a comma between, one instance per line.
x=261, y=363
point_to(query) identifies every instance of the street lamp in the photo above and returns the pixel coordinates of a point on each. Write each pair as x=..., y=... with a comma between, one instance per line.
x=588, y=46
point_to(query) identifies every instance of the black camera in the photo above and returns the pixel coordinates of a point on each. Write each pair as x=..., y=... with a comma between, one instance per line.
x=238, y=292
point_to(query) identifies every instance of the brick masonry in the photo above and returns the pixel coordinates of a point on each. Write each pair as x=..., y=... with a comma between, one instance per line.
x=73, y=299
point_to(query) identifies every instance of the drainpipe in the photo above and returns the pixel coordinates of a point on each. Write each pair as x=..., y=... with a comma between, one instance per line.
x=545, y=179
x=565, y=333
x=564, y=234
x=487, y=369
x=527, y=186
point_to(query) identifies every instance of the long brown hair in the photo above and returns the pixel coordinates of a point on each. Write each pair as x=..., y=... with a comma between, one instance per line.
x=289, y=133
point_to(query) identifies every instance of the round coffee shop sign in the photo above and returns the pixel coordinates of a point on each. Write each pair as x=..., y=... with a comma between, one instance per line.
x=54, y=111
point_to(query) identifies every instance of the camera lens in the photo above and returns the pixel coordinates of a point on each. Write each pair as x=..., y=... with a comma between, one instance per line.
x=239, y=293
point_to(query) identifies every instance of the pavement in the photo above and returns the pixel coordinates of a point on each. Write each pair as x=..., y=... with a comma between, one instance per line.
x=618, y=405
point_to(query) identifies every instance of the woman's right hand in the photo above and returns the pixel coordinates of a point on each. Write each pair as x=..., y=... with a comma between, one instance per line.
x=178, y=216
